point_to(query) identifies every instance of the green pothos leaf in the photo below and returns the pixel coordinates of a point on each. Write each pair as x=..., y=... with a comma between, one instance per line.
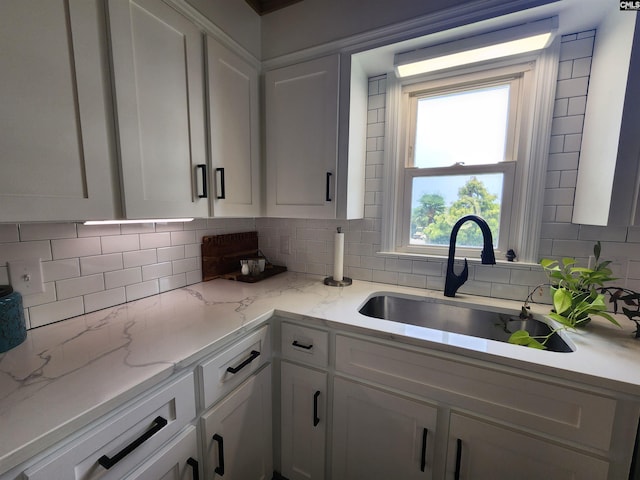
x=561, y=300
x=522, y=337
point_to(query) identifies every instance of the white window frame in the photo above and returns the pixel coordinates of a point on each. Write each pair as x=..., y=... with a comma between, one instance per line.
x=536, y=94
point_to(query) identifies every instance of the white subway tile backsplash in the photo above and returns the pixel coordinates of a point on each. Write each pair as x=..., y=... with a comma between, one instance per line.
x=564, y=213
x=75, y=247
x=156, y=271
x=122, y=278
x=194, y=276
x=173, y=282
x=577, y=105
x=9, y=233
x=4, y=275
x=572, y=87
x=101, y=263
x=572, y=143
x=25, y=250
x=55, y=311
x=139, y=258
x=155, y=240
x=60, y=269
x=105, y=299
x=184, y=265
x=47, y=231
x=120, y=243
x=141, y=290
x=48, y=296
x=167, y=254
x=193, y=250
x=577, y=49
x=567, y=125
x=75, y=287
x=183, y=238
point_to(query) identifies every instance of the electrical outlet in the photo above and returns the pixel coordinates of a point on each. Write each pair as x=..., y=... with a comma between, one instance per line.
x=285, y=245
x=26, y=276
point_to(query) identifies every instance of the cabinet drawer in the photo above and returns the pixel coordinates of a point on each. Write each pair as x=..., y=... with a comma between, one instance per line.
x=228, y=369
x=83, y=457
x=574, y=415
x=304, y=344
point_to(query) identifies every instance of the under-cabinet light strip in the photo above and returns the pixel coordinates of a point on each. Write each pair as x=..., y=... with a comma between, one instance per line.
x=153, y=220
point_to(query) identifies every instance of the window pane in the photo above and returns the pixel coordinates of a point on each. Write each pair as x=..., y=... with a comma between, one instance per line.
x=438, y=202
x=468, y=127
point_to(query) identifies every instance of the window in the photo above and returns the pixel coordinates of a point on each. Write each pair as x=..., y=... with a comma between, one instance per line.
x=472, y=141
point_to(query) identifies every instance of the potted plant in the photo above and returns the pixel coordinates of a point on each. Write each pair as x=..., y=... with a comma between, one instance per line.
x=577, y=294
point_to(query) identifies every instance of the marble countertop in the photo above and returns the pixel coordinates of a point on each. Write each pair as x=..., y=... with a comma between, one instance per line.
x=68, y=374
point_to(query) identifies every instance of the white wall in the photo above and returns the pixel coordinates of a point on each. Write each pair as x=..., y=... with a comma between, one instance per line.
x=236, y=18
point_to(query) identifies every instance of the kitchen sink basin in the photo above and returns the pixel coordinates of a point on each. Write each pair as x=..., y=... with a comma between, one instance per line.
x=451, y=318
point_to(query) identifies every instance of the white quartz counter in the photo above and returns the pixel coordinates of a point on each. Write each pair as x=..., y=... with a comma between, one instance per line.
x=68, y=374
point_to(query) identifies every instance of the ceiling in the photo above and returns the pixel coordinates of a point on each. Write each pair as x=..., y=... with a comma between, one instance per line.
x=267, y=6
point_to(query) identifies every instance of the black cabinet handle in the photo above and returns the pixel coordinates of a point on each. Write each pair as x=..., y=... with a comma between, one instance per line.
x=193, y=463
x=328, y=192
x=220, y=468
x=254, y=354
x=203, y=168
x=221, y=195
x=316, y=419
x=302, y=345
x=456, y=475
x=108, y=462
x=423, y=459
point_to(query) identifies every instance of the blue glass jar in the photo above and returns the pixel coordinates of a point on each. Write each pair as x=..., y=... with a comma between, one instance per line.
x=13, y=330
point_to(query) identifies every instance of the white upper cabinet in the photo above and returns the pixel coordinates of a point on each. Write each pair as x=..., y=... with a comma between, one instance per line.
x=234, y=133
x=609, y=169
x=158, y=71
x=315, y=139
x=56, y=159
x=302, y=139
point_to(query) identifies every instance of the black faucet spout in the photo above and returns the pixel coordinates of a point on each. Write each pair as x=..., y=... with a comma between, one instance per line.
x=453, y=282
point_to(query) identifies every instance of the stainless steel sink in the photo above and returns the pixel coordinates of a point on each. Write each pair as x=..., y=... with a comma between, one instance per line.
x=451, y=318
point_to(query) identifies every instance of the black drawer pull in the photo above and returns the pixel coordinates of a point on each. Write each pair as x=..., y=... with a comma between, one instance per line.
x=108, y=462
x=302, y=345
x=220, y=468
x=316, y=419
x=221, y=194
x=456, y=475
x=203, y=168
x=254, y=354
x=423, y=459
x=328, y=192
x=193, y=463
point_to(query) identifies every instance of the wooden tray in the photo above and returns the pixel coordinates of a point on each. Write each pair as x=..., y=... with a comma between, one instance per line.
x=221, y=255
x=269, y=271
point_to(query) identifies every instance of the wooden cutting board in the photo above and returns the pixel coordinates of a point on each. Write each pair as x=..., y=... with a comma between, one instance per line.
x=221, y=254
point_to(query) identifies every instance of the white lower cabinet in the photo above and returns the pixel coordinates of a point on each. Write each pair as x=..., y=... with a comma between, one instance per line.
x=380, y=435
x=303, y=401
x=480, y=450
x=116, y=445
x=175, y=461
x=237, y=432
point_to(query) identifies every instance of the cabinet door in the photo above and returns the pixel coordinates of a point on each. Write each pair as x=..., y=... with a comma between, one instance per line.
x=379, y=435
x=481, y=451
x=237, y=432
x=304, y=410
x=234, y=133
x=55, y=141
x=175, y=461
x=301, y=139
x=159, y=95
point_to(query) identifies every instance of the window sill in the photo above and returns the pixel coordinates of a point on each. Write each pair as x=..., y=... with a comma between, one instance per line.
x=442, y=258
